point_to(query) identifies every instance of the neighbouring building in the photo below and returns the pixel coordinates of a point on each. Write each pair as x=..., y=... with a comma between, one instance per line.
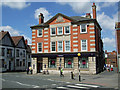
x=71, y=43
x=13, y=52
x=117, y=27
x=111, y=58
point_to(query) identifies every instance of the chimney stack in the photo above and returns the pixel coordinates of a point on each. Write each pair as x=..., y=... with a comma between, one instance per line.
x=26, y=42
x=41, y=18
x=94, y=10
x=88, y=15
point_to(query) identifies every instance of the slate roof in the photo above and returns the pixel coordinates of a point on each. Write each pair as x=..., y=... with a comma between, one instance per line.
x=79, y=18
x=28, y=49
x=2, y=34
x=16, y=39
x=74, y=19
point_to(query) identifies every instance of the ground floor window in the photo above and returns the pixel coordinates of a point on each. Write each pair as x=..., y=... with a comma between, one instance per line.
x=68, y=62
x=52, y=62
x=17, y=62
x=83, y=62
x=23, y=62
x=20, y=63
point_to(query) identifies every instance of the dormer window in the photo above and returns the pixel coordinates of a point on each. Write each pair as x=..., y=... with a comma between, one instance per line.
x=83, y=28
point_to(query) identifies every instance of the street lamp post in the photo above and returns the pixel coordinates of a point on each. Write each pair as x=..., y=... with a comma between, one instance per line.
x=79, y=68
x=79, y=76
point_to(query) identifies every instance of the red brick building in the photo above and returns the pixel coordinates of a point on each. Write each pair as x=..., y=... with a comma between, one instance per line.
x=69, y=42
x=117, y=27
x=111, y=58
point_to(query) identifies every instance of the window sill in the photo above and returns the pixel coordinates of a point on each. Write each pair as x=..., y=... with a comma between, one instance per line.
x=39, y=36
x=53, y=35
x=83, y=33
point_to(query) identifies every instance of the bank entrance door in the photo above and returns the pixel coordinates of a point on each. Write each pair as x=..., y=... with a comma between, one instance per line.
x=39, y=65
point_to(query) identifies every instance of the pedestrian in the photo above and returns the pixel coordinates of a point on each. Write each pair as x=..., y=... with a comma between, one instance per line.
x=62, y=72
x=28, y=70
x=72, y=77
x=111, y=67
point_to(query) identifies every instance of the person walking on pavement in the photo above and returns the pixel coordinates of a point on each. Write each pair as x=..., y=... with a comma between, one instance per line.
x=28, y=70
x=61, y=72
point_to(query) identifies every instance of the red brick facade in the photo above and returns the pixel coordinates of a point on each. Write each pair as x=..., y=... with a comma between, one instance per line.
x=84, y=37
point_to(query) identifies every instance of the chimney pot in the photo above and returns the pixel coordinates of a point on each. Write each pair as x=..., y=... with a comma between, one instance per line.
x=41, y=18
x=94, y=11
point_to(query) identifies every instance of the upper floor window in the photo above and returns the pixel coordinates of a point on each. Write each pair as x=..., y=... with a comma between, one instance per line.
x=83, y=45
x=53, y=31
x=39, y=47
x=53, y=46
x=83, y=28
x=17, y=53
x=9, y=52
x=23, y=53
x=2, y=51
x=39, y=33
x=60, y=30
x=67, y=45
x=67, y=30
x=60, y=46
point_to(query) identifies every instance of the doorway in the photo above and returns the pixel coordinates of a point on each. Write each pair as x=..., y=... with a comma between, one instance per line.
x=9, y=65
x=39, y=65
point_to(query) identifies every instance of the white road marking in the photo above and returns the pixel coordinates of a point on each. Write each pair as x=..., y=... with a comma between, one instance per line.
x=53, y=84
x=50, y=79
x=23, y=84
x=67, y=82
x=87, y=85
x=17, y=76
x=2, y=79
x=62, y=88
x=34, y=86
x=76, y=86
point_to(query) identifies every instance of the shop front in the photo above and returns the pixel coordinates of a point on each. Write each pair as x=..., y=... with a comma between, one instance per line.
x=69, y=62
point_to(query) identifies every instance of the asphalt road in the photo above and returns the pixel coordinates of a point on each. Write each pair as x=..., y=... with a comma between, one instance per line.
x=22, y=80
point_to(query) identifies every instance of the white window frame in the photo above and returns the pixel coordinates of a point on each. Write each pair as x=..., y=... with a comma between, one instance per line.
x=81, y=28
x=65, y=47
x=58, y=46
x=37, y=48
x=86, y=46
x=58, y=30
x=55, y=46
x=38, y=33
x=65, y=30
x=51, y=32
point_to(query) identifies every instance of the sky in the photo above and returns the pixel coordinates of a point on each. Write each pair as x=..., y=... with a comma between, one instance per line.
x=17, y=17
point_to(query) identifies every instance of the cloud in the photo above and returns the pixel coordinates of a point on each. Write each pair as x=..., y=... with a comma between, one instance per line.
x=14, y=32
x=107, y=22
x=78, y=7
x=109, y=42
x=45, y=12
x=16, y=4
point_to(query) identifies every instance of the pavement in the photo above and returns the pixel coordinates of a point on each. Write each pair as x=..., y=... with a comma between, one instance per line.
x=54, y=81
